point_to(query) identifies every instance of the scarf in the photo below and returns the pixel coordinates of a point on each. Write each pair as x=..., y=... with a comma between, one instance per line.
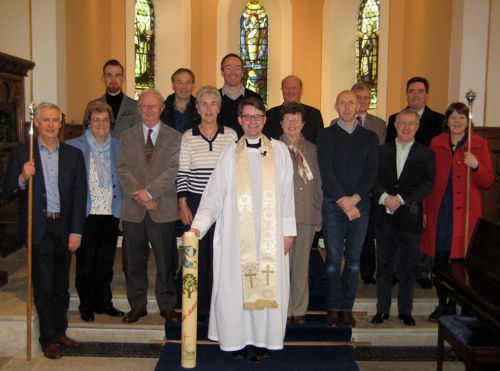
x=101, y=152
x=302, y=166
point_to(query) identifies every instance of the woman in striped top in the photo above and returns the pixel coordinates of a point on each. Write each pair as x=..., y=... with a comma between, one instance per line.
x=200, y=150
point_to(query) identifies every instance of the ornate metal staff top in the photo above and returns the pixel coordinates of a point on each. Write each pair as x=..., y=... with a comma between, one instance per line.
x=32, y=117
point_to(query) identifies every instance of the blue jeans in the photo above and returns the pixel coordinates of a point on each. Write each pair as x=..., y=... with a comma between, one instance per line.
x=342, y=284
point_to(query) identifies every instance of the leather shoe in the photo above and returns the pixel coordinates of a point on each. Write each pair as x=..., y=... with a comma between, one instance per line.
x=134, y=315
x=52, y=351
x=380, y=317
x=437, y=313
x=110, y=311
x=332, y=318
x=170, y=316
x=407, y=319
x=425, y=283
x=289, y=319
x=299, y=320
x=348, y=318
x=87, y=315
x=68, y=342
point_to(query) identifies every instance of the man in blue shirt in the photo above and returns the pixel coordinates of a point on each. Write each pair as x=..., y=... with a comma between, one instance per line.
x=58, y=214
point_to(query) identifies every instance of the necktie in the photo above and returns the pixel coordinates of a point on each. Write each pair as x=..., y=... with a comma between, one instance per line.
x=360, y=120
x=149, y=147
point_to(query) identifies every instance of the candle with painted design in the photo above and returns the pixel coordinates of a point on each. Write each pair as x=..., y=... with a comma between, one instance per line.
x=189, y=300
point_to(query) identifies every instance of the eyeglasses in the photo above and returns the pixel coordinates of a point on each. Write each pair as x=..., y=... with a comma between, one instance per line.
x=96, y=120
x=249, y=118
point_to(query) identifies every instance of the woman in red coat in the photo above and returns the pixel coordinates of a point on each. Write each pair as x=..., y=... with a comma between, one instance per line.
x=444, y=209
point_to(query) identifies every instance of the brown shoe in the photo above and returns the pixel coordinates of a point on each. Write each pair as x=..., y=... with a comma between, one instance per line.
x=134, y=315
x=170, y=316
x=332, y=318
x=348, y=318
x=299, y=320
x=68, y=342
x=52, y=351
x=289, y=319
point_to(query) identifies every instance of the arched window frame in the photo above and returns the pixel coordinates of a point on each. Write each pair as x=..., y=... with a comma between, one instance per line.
x=254, y=47
x=144, y=39
x=367, y=42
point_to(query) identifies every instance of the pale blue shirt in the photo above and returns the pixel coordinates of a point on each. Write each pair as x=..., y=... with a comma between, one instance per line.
x=50, y=165
x=154, y=134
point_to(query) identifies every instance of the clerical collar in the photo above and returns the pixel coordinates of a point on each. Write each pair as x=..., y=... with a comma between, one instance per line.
x=256, y=143
x=115, y=94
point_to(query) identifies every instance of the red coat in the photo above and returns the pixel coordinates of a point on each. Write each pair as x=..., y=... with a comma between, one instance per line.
x=484, y=177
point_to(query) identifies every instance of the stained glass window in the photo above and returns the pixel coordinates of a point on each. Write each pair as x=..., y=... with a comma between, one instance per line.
x=253, y=47
x=144, y=46
x=367, y=46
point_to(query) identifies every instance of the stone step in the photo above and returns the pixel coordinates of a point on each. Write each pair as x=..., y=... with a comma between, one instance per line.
x=150, y=329
x=421, y=306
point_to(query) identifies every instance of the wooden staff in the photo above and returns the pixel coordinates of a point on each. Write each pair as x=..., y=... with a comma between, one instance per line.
x=189, y=300
x=29, y=239
x=470, y=96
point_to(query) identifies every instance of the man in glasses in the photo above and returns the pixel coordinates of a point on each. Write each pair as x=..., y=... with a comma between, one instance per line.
x=250, y=196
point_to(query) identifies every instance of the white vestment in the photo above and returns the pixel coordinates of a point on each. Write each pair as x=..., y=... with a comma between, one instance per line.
x=229, y=324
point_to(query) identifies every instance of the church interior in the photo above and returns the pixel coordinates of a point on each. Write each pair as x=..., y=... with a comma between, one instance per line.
x=54, y=50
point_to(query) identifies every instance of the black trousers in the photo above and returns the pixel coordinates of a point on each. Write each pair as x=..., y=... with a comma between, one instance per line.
x=368, y=260
x=205, y=259
x=51, y=262
x=138, y=236
x=94, y=262
x=401, y=247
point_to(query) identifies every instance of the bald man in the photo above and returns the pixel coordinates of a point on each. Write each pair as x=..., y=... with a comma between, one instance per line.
x=291, y=89
x=348, y=161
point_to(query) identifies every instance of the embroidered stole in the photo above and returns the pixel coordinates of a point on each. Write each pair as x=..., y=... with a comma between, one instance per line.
x=258, y=268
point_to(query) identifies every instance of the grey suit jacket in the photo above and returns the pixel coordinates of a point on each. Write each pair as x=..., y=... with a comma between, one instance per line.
x=157, y=177
x=377, y=125
x=127, y=115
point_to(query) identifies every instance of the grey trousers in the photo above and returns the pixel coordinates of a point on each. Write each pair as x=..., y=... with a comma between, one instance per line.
x=299, y=270
x=137, y=237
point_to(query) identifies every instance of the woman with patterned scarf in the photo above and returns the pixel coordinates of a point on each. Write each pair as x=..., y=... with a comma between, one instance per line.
x=95, y=257
x=308, y=200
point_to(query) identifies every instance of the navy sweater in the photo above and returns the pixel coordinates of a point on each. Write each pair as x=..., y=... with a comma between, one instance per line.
x=348, y=163
x=228, y=115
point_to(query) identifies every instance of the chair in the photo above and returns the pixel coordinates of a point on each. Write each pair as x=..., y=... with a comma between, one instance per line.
x=473, y=342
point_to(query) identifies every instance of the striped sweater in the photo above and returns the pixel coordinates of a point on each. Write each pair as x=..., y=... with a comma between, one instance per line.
x=198, y=157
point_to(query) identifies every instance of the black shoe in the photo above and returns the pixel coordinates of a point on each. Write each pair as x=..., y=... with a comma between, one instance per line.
x=87, y=315
x=241, y=354
x=407, y=319
x=437, y=313
x=425, y=283
x=380, y=317
x=368, y=279
x=258, y=355
x=110, y=311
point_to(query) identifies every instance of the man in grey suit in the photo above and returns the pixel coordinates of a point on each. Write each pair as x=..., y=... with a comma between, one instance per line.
x=147, y=165
x=377, y=125
x=124, y=107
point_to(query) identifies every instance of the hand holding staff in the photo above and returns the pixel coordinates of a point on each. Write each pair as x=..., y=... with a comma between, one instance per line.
x=470, y=96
